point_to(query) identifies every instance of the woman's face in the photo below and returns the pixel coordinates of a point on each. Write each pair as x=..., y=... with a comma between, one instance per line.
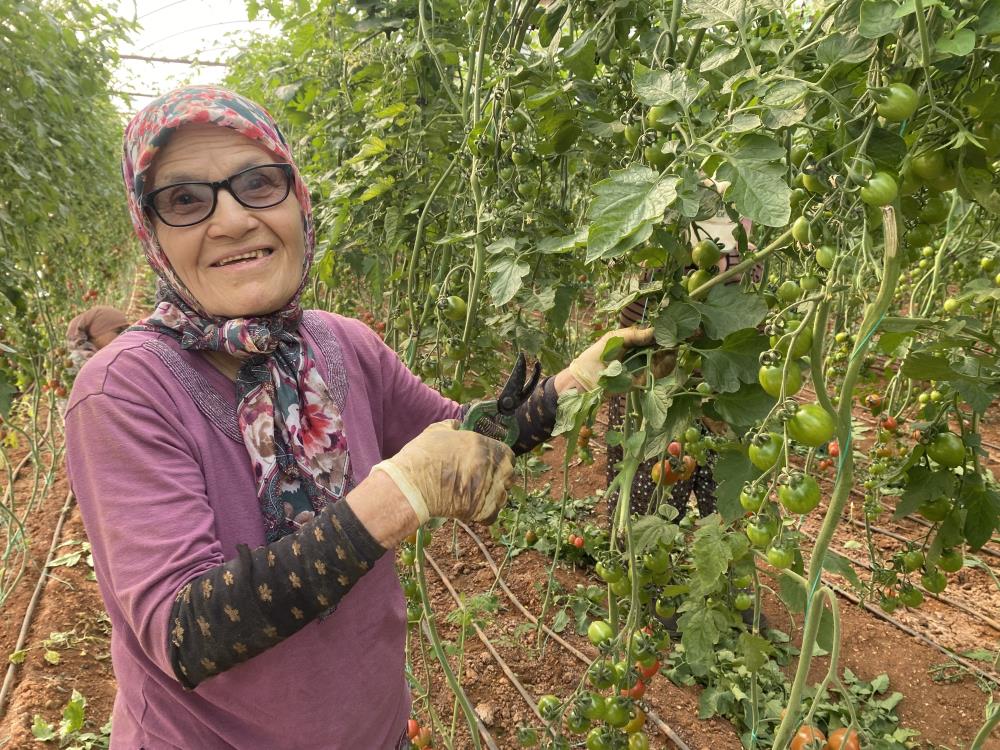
x=198, y=254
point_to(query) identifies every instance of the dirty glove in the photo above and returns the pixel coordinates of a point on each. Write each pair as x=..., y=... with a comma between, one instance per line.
x=451, y=473
x=586, y=369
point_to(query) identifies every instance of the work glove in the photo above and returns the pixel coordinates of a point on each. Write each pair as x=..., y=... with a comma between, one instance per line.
x=446, y=472
x=586, y=369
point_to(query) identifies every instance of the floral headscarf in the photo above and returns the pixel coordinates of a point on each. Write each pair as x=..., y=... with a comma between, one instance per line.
x=290, y=424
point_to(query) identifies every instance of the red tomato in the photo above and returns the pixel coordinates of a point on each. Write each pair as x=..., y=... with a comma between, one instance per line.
x=578, y=541
x=636, y=691
x=674, y=449
x=843, y=739
x=648, y=672
x=412, y=729
x=889, y=423
x=808, y=738
x=834, y=449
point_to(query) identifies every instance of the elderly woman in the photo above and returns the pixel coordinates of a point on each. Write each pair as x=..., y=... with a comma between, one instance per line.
x=91, y=331
x=242, y=465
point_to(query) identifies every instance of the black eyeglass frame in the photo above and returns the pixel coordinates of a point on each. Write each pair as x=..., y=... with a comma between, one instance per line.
x=147, y=199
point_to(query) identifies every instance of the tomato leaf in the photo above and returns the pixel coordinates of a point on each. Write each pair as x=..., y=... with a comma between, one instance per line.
x=72, y=716
x=701, y=628
x=878, y=19
x=727, y=310
x=754, y=650
x=508, y=275
x=748, y=405
x=654, y=87
x=732, y=469
x=734, y=13
x=42, y=730
x=922, y=485
x=842, y=567
x=735, y=361
x=989, y=18
x=676, y=323
x=757, y=181
x=710, y=555
x=982, y=515
x=838, y=48
x=657, y=400
x=627, y=201
x=651, y=530
x=959, y=44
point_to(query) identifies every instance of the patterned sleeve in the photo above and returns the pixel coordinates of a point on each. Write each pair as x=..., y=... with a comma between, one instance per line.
x=236, y=610
x=535, y=418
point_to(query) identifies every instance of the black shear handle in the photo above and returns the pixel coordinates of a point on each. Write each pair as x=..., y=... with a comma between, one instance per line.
x=516, y=391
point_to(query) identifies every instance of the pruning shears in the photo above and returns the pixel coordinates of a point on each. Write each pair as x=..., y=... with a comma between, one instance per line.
x=495, y=418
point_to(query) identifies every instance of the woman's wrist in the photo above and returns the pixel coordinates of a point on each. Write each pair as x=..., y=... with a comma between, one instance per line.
x=382, y=509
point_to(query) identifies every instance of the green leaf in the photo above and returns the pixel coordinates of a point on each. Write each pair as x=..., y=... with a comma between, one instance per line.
x=754, y=650
x=989, y=18
x=838, y=48
x=7, y=392
x=655, y=87
x=508, y=274
x=18, y=656
x=887, y=151
x=719, y=57
x=651, y=530
x=922, y=485
x=561, y=620
x=731, y=471
x=42, y=730
x=978, y=398
x=792, y=593
x=757, y=181
x=926, y=366
x=742, y=409
x=72, y=716
x=842, y=567
x=710, y=555
x=959, y=44
x=701, y=628
x=982, y=516
x=878, y=19
x=682, y=410
x=676, y=323
x=656, y=402
x=728, y=309
x=52, y=657
x=573, y=408
x=735, y=361
x=734, y=13
x=579, y=58
x=626, y=202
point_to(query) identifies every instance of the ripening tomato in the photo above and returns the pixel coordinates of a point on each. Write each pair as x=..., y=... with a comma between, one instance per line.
x=808, y=738
x=412, y=728
x=843, y=739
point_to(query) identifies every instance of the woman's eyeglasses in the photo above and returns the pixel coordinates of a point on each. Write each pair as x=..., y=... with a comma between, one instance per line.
x=186, y=203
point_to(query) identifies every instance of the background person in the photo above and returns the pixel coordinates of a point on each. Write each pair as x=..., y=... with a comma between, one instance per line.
x=243, y=465
x=91, y=331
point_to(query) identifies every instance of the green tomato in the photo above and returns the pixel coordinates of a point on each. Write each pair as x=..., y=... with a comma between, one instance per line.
x=742, y=601
x=770, y=379
x=780, y=557
x=896, y=103
x=801, y=346
x=600, y=738
x=609, y=572
x=765, y=450
x=601, y=675
x=638, y=741
x=743, y=581
x=881, y=190
x=811, y=425
x=599, y=632
x=912, y=560
x=951, y=560
x=934, y=581
x=801, y=495
x=947, y=449
x=889, y=604
x=789, y=291
x=935, y=210
x=911, y=597
x=664, y=608
x=927, y=165
x=760, y=533
x=527, y=736
x=798, y=153
x=752, y=498
x=576, y=722
x=801, y=230
x=591, y=705
x=617, y=711
x=549, y=707
x=517, y=123
x=825, y=256
x=935, y=510
x=453, y=307
x=810, y=283
x=813, y=184
x=657, y=560
x=706, y=254
x=697, y=278
x=632, y=134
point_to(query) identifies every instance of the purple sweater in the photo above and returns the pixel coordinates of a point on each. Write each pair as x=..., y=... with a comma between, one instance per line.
x=166, y=490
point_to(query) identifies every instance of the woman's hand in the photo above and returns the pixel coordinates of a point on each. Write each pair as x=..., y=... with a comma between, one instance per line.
x=451, y=473
x=584, y=371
